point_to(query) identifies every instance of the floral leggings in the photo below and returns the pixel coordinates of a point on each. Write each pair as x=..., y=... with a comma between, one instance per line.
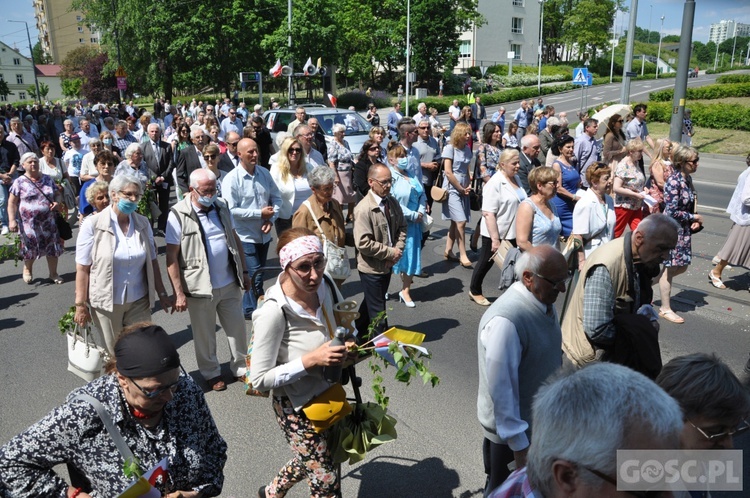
x=312, y=458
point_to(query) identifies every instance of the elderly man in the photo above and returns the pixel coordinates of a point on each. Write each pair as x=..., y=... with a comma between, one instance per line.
x=714, y=403
x=612, y=300
x=232, y=123
x=379, y=236
x=300, y=117
x=518, y=348
x=581, y=420
x=230, y=160
x=421, y=114
x=585, y=148
x=319, y=137
x=499, y=118
x=429, y=158
x=87, y=132
x=123, y=137
x=254, y=200
x=190, y=158
x=313, y=158
x=521, y=117
x=201, y=240
x=22, y=139
x=528, y=159
x=454, y=112
x=547, y=137
x=159, y=158
x=257, y=112
x=478, y=112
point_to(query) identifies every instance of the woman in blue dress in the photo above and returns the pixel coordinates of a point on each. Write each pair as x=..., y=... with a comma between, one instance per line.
x=570, y=180
x=456, y=159
x=410, y=195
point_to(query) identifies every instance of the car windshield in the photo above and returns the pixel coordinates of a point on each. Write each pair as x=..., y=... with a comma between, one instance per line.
x=354, y=123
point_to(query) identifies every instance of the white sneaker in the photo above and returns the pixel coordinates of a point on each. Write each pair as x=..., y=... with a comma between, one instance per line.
x=4, y=231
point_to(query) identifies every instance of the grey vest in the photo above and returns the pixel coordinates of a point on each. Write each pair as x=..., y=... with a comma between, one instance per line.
x=541, y=355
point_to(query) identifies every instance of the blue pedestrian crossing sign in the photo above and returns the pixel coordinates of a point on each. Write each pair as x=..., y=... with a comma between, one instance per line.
x=580, y=76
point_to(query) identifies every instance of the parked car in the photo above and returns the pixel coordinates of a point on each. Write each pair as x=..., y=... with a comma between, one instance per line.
x=357, y=127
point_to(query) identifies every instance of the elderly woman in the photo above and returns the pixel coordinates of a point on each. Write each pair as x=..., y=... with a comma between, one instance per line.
x=322, y=214
x=437, y=129
x=32, y=201
x=377, y=134
x=409, y=193
x=488, y=157
x=340, y=158
x=537, y=222
x=64, y=138
x=736, y=249
x=88, y=166
x=156, y=407
x=117, y=273
x=501, y=197
x=105, y=167
x=369, y=155
x=291, y=348
x=290, y=175
x=134, y=165
x=456, y=160
x=629, y=188
x=661, y=169
x=594, y=213
x=680, y=199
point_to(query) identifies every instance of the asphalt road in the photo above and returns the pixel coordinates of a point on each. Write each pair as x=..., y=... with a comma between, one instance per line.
x=438, y=451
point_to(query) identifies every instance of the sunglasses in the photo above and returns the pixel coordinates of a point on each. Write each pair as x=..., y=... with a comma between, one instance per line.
x=209, y=156
x=374, y=148
x=295, y=150
x=155, y=393
x=304, y=269
x=233, y=144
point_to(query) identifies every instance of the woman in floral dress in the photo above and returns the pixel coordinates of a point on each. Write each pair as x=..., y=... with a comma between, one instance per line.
x=680, y=199
x=32, y=200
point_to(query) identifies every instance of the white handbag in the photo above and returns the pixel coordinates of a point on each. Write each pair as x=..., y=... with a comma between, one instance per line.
x=338, y=262
x=85, y=358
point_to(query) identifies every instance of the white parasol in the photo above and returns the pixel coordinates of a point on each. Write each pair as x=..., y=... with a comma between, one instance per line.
x=603, y=116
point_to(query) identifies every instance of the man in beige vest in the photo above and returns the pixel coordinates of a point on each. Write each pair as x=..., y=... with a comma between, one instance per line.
x=612, y=283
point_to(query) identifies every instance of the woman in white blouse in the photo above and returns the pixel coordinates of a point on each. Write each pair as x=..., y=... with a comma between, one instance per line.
x=501, y=196
x=290, y=175
x=594, y=213
x=117, y=273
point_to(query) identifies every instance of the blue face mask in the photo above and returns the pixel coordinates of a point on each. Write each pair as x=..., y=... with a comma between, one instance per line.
x=403, y=163
x=206, y=201
x=107, y=141
x=126, y=206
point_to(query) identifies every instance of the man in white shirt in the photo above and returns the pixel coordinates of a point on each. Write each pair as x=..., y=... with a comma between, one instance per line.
x=312, y=157
x=215, y=287
x=421, y=115
x=87, y=131
x=519, y=348
x=454, y=112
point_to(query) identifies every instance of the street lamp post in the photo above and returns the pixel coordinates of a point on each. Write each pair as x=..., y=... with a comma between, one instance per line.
x=650, y=15
x=541, y=27
x=33, y=64
x=408, y=52
x=716, y=59
x=734, y=45
x=658, y=53
x=614, y=39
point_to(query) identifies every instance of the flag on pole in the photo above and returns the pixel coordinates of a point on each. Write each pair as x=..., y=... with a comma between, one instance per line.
x=308, y=64
x=320, y=62
x=276, y=69
x=333, y=100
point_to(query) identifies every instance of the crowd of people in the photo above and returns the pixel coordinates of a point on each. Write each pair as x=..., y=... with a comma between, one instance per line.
x=210, y=182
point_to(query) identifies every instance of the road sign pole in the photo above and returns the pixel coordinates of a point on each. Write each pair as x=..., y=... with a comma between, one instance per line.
x=628, y=66
x=260, y=88
x=683, y=64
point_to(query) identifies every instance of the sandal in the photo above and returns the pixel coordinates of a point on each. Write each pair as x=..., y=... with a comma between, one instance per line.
x=27, y=277
x=57, y=279
x=449, y=256
x=715, y=281
x=671, y=316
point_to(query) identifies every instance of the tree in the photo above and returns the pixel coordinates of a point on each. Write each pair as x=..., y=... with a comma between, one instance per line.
x=43, y=91
x=39, y=56
x=72, y=87
x=96, y=87
x=4, y=90
x=588, y=24
x=704, y=53
x=670, y=39
x=73, y=64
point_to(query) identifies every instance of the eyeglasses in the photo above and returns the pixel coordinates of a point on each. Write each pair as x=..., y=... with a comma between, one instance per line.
x=155, y=393
x=424, y=127
x=384, y=183
x=295, y=150
x=613, y=481
x=564, y=281
x=131, y=195
x=206, y=193
x=209, y=156
x=742, y=427
x=304, y=269
x=326, y=189
x=554, y=184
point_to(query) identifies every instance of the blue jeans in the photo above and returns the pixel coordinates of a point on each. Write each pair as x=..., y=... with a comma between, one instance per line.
x=4, y=193
x=255, y=257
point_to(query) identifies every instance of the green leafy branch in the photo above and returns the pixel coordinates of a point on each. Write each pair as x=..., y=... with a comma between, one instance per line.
x=11, y=249
x=132, y=468
x=66, y=323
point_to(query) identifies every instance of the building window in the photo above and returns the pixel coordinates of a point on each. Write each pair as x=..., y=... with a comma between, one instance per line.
x=80, y=29
x=517, y=3
x=81, y=40
x=517, y=25
x=3, y=98
x=95, y=40
x=16, y=61
x=79, y=18
x=22, y=95
x=2, y=78
x=19, y=79
x=515, y=47
x=464, y=50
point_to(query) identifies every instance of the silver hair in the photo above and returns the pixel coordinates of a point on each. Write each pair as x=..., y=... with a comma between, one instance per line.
x=15, y=120
x=322, y=175
x=121, y=181
x=298, y=130
x=526, y=140
x=131, y=148
x=552, y=121
x=152, y=124
x=338, y=127
x=586, y=416
x=94, y=141
x=26, y=157
x=94, y=189
x=68, y=121
x=651, y=225
x=201, y=174
x=530, y=261
x=257, y=107
x=194, y=132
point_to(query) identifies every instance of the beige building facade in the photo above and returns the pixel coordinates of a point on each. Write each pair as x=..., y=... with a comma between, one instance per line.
x=62, y=30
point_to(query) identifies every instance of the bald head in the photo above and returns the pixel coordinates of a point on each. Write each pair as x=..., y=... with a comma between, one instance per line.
x=247, y=150
x=544, y=272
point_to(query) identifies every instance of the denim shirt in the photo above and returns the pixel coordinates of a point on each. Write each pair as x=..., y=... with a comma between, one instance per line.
x=246, y=196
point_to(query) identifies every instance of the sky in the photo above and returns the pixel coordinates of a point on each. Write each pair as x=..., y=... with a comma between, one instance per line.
x=649, y=14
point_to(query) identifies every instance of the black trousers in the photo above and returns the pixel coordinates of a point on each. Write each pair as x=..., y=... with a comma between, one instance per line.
x=496, y=458
x=483, y=265
x=162, y=200
x=375, y=287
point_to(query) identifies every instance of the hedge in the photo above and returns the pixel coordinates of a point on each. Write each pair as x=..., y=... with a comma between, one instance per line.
x=708, y=92
x=733, y=78
x=718, y=116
